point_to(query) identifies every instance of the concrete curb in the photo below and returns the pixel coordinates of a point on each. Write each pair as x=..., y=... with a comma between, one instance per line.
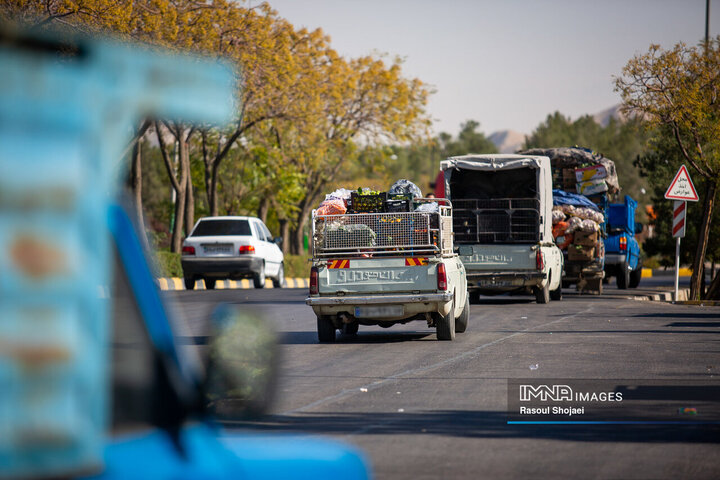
x=176, y=283
x=683, y=295
x=659, y=272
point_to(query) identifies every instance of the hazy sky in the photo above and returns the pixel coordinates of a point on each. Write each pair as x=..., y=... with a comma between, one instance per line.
x=506, y=64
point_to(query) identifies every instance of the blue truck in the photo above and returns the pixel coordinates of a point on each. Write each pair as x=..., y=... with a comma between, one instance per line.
x=622, y=251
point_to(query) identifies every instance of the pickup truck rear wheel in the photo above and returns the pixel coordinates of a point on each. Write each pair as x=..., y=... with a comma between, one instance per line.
x=557, y=293
x=210, y=284
x=189, y=283
x=351, y=328
x=461, y=322
x=623, y=277
x=542, y=294
x=445, y=325
x=326, y=329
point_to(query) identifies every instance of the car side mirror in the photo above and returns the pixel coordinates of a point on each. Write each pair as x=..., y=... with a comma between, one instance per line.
x=278, y=241
x=242, y=364
x=465, y=250
x=638, y=227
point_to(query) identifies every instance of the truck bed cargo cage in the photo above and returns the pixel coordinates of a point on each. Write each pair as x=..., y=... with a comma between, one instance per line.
x=502, y=220
x=384, y=234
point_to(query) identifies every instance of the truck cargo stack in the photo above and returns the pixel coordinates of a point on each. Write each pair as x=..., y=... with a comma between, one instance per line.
x=382, y=258
x=582, y=182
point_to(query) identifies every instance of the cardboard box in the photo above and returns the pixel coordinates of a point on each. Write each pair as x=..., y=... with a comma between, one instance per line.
x=596, y=172
x=580, y=253
x=591, y=187
x=585, y=239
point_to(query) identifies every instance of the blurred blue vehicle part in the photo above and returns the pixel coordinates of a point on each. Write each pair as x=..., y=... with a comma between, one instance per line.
x=622, y=251
x=67, y=106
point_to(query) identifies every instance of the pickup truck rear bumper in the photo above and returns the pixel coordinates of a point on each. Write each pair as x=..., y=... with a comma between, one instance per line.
x=615, y=259
x=505, y=280
x=380, y=299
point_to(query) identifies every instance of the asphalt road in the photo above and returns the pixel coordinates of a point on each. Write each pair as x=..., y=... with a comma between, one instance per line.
x=421, y=408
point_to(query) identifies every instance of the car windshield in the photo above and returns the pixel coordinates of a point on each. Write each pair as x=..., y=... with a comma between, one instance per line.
x=208, y=228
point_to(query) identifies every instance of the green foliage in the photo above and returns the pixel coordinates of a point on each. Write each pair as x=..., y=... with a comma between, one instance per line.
x=297, y=266
x=167, y=264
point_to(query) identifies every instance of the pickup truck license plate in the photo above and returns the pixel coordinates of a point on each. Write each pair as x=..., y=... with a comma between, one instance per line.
x=379, y=311
x=498, y=283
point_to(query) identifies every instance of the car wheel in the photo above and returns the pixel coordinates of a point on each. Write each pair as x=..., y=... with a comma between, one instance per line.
x=635, y=276
x=623, y=277
x=326, y=329
x=279, y=281
x=189, y=283
x=210, y=284
x=445, y=325
x=461, y=322
x=259, y=278
x=542, y=294
x=557, y=293
x=351, y=328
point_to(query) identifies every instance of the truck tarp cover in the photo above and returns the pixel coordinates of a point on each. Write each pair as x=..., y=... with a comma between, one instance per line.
x=501, y=176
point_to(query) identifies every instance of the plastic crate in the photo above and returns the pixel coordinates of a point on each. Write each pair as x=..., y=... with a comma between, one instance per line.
x=374, y=203
x=394, y=206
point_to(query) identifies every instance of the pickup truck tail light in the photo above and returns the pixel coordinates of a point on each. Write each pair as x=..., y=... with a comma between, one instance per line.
x=188, y=250
x=441, y=277
x=314, y=281
x=623, y=243
x=246, y=249
x=539, y=260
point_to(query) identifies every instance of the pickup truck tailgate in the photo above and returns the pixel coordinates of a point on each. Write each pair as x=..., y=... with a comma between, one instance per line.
x=378, y=275
x=488, y=258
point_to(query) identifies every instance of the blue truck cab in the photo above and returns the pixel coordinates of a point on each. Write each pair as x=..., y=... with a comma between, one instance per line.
x=622, y=251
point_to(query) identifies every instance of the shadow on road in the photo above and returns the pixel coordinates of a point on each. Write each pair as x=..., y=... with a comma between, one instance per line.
x=365, y=337
x=475, y=424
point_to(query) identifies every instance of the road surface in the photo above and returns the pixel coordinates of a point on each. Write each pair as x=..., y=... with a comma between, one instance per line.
x=424, y=409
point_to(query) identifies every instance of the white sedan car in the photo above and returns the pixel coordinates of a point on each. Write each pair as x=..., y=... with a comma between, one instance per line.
x=232, y=248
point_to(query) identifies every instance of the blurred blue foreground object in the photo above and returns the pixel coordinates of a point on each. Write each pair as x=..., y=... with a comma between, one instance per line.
x=67, y=109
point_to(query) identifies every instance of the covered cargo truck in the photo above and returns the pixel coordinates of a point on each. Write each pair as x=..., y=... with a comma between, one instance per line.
x=502, y=224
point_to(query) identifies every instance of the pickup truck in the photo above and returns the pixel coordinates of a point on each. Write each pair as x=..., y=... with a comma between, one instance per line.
x=622, y=251
x=387, y=268
x=503, y=224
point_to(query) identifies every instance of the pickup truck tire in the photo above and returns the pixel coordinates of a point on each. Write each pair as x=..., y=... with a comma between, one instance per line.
x=325, y=329
x=189, y=283
x=445, y=325
x=557, y=293
x=351, y=328
x=259, y=278
x=209, y=284
x=542, y=294
x=623, y=277
x=635, y=277
x=461, y=322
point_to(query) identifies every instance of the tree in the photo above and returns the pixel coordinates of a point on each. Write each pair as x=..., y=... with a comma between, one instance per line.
x=468, y=141
x=677, y=91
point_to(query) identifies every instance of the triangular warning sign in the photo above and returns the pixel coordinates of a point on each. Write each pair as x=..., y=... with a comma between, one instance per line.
x=682, y=187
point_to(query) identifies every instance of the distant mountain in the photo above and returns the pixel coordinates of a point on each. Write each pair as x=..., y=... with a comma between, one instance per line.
x=603, y=118
x=507, y=141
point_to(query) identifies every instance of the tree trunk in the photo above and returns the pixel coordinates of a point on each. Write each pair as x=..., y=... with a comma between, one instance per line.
x=713, y=292
x=285, y=234
x=263, y=208
x=189, y=195
x=177, y=234
x=699, y=260
x=136, y=182
x=297, y=247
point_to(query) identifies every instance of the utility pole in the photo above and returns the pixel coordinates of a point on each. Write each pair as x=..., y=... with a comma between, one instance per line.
x=707, y=23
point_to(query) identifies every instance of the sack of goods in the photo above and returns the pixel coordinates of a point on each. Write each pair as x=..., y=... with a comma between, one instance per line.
x=332, y=207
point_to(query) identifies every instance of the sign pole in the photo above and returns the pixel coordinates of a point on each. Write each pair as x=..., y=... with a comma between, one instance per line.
x=677, y=267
